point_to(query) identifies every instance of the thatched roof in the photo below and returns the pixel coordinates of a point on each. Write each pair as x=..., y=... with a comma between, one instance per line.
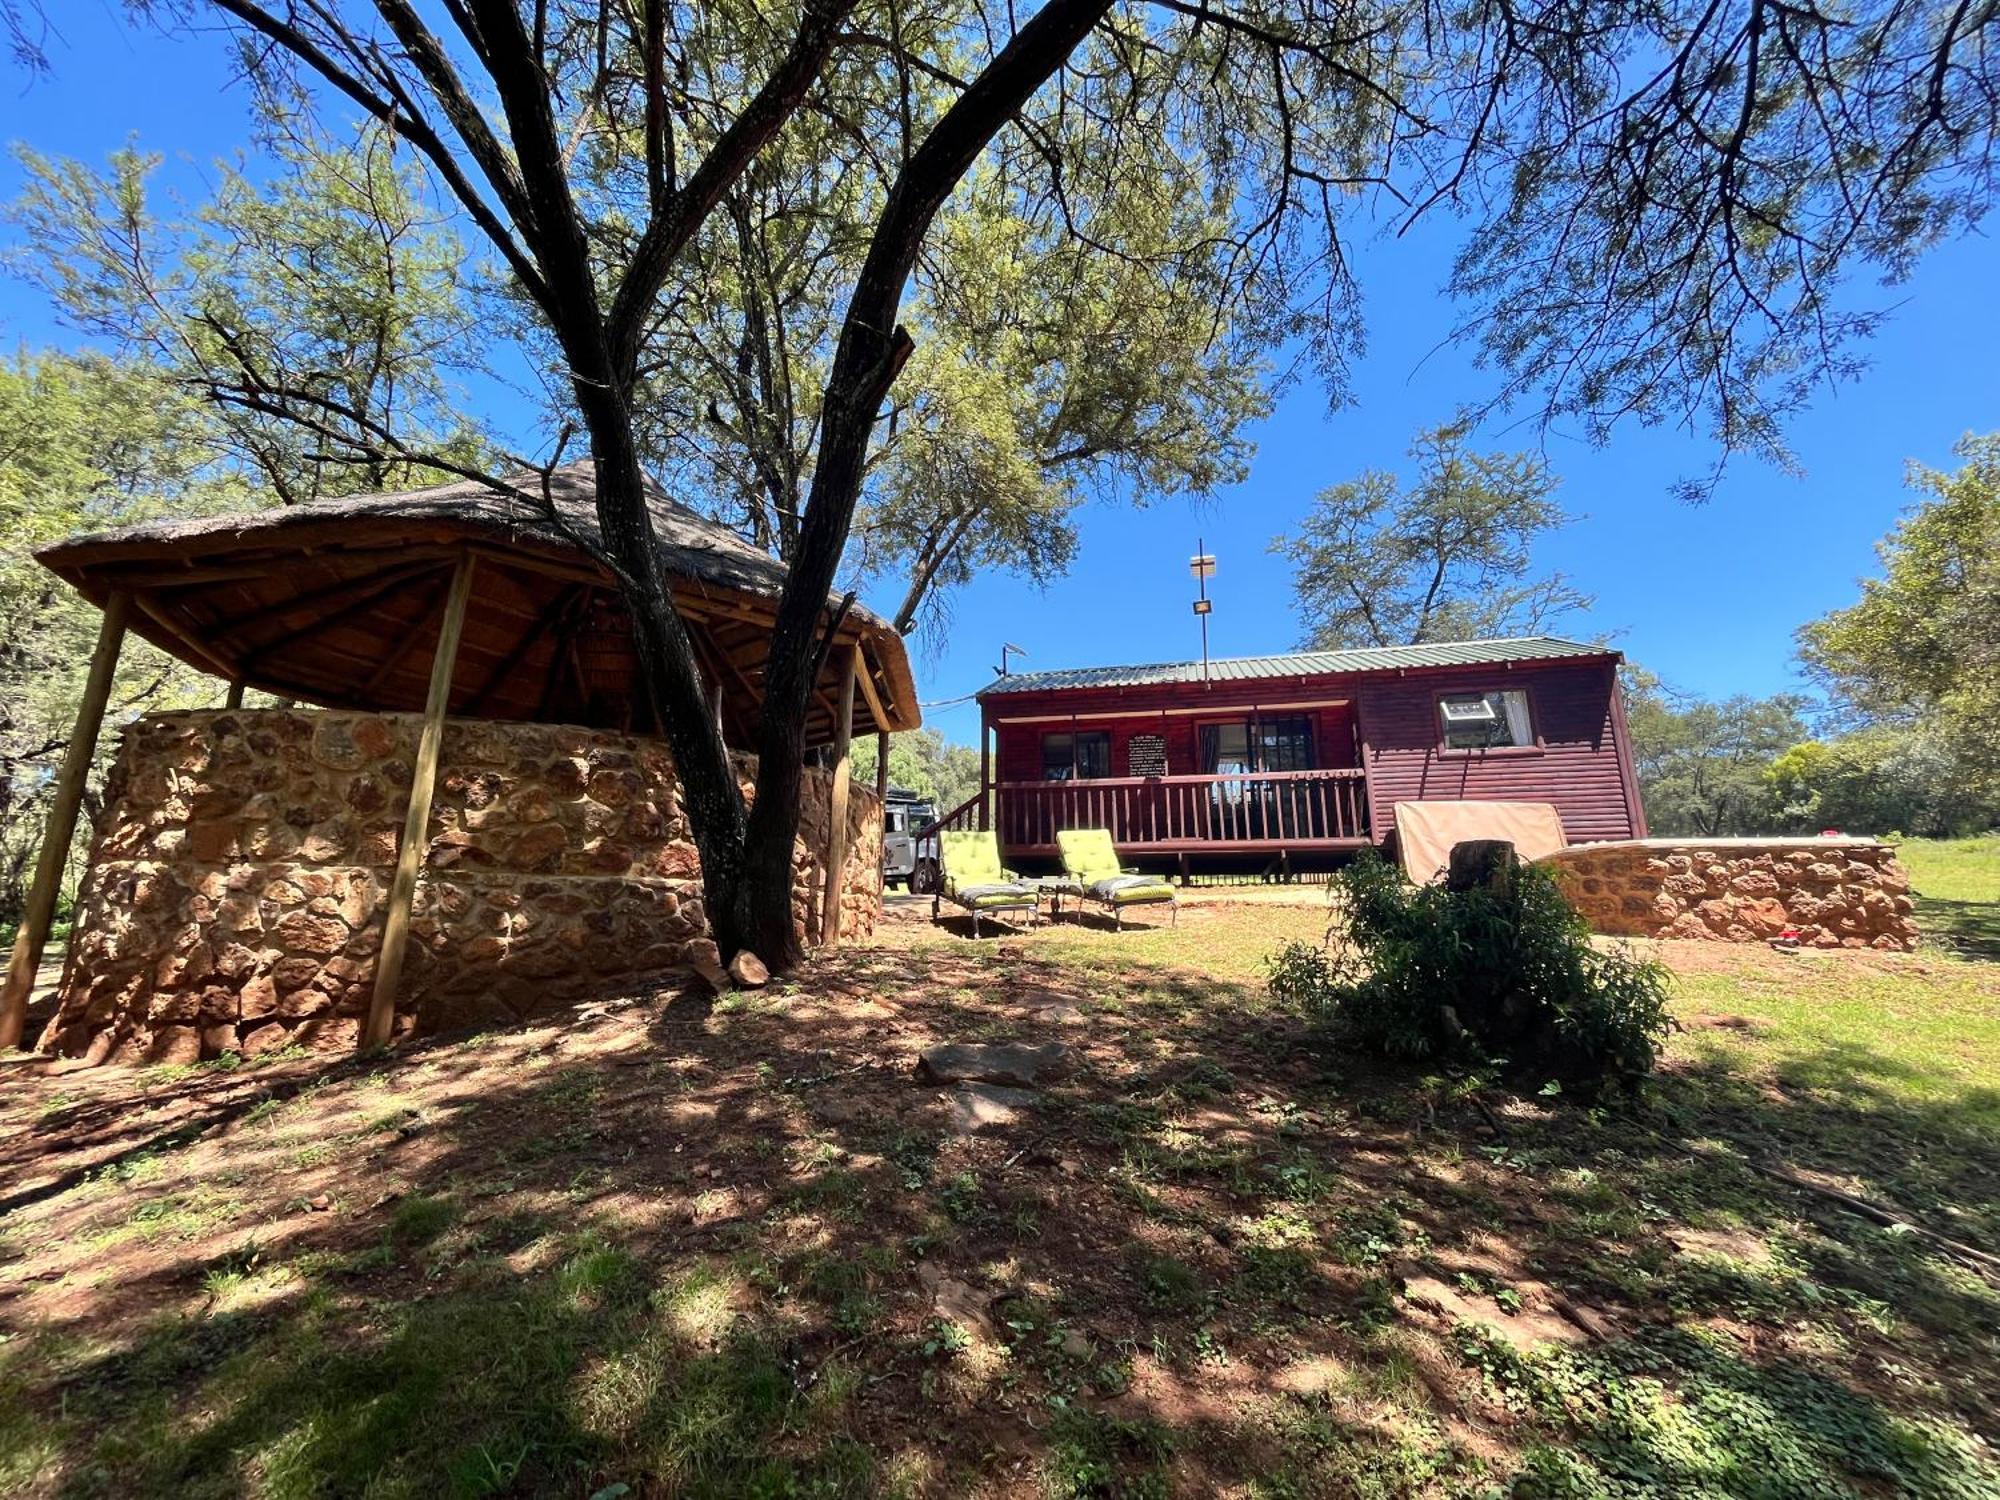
x=337, y=602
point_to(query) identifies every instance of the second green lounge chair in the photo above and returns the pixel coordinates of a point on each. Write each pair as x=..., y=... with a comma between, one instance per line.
x=974, y=879
x=1091, y=860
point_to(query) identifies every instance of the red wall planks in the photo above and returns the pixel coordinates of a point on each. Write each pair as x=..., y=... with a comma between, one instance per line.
x=1579, y=766
x=1387, y=723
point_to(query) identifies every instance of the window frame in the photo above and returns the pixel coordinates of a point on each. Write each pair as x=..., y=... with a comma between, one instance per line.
x=1252, y=726
x=1075, y=738
x=1535, y=745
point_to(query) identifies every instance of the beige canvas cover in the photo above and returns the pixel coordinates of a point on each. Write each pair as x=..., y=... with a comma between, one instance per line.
x=1425, y=831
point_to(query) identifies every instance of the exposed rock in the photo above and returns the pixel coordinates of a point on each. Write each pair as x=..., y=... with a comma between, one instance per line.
x=1835, y=893
x=748, y=970
x=1019, y=1064
x=960, y=1301
x=985, y=1106
x=242, y=860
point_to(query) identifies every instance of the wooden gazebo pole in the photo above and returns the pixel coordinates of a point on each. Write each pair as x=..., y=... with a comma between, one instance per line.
x=34, y=934
x=836, y=831
x=416, y=822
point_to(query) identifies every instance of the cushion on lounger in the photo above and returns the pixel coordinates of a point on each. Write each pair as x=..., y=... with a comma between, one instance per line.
x=1127, y=890
x=972, y=863
x=1088, y=854
x=1005, y=894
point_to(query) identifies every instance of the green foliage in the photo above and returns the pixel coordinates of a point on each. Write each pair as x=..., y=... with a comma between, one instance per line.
x=923, y=760
x=1507, y=976
x=319, y=306
x=1923, y=643
x=1887, y=778
x=86, y=442
x=1045, y=372
x=1448, y=558
x=1702, y=763
x=1723, y=1426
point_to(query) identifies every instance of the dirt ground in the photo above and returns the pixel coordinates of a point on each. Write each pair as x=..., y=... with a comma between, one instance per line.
x=687, y=1245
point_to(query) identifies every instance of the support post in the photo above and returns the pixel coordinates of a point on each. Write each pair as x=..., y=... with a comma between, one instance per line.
x=985, y=774
x=35, y=921
x=882, y=768
x=416, y=822
x=234, y=697
x=836, y=812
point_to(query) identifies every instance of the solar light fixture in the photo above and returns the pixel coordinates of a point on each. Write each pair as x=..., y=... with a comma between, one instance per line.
x=1202, y=566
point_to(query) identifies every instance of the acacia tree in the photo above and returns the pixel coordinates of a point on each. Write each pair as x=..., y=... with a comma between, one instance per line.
x=322, y=310
x=1665, y=196
x=85, y=442
x=1044, y=371
x=1922, y=644
x=1447, y=559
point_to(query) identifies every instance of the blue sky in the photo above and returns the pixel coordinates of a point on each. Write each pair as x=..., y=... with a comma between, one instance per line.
x=1707, y=596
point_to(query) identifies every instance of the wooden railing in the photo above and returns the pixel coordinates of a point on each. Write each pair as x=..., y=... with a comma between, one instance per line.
x=1265, y=810
x=963, y=816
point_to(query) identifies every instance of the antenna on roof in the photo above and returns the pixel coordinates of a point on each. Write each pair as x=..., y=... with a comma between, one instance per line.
x=1005, y=649
x=1202, y=566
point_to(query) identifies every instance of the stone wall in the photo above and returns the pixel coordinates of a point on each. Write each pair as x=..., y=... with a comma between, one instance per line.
x=236, y=887
x=1836, y=892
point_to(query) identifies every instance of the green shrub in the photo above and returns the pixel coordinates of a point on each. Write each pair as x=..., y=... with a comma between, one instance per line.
x=1495, y=975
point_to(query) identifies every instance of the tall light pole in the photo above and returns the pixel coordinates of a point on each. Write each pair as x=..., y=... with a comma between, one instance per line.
x=1202, y=565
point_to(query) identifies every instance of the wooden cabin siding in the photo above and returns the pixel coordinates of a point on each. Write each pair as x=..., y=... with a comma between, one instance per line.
x=1173, y=711
x=1582, y=766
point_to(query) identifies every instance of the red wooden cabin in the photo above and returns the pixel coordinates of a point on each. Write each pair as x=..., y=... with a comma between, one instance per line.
x=1300, y=759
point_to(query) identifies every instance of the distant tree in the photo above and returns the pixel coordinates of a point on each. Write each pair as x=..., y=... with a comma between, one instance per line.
x=1450, y=557
x=1887, y=778
x=320, y=308
x=1702, y=763
x=923, y=760
x=1922, y=646
x=85, y=442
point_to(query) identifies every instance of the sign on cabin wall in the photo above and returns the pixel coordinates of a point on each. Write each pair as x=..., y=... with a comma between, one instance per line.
x=1146, y=755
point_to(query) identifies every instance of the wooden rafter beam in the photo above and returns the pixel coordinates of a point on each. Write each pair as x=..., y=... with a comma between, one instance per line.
x=346, y=584
x=438, y=606
x=530, y=639
x=385, y=586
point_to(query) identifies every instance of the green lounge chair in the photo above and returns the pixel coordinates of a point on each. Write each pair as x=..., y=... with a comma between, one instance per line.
x=974, y=879
x=1091, y=860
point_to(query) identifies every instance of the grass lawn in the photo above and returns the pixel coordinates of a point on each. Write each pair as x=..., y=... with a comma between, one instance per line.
x=1957, y=887
x=675, y=1247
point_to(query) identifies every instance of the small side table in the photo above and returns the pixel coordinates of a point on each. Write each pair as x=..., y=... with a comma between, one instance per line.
x=1055, y=887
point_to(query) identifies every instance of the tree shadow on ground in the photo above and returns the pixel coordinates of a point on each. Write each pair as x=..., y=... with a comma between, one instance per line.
x=729, y=1246
x=1969, y=929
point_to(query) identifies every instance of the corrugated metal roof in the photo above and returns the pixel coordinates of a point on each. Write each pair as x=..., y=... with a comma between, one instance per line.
x=1301, y=664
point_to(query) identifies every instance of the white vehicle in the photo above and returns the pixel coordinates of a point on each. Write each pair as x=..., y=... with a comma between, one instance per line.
x=906, y=859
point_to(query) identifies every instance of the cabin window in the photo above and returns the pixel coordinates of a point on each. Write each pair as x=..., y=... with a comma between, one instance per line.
x=1279, y=744
x=1486, y=721
x=1285, y=744
x=1076, y=757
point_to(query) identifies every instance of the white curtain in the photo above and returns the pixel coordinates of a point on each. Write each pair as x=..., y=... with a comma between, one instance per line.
x=1514, y=704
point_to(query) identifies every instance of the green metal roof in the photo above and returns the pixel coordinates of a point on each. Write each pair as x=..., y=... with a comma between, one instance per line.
x=1303, y=664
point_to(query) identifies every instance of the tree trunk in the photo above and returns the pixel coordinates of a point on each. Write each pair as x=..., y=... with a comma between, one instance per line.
x=673, y=679
x=869, y=355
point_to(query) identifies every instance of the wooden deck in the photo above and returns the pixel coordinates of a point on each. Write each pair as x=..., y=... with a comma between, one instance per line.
x=1269, y=812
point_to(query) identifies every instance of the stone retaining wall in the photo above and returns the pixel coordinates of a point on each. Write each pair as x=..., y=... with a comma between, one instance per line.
x=1837, y=892
x=235, y=892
